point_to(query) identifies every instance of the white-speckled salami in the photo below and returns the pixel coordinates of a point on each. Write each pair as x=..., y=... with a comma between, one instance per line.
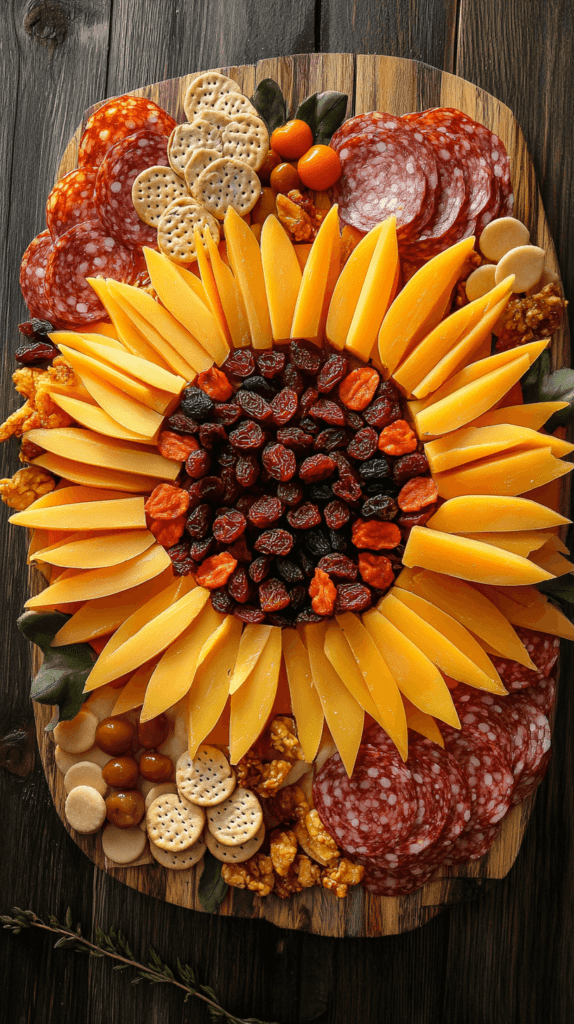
x=489, y=779
x=472, y=844
x=543, y=694
x=116, y=175
x=71, y=201
x=542, y=648
x=33, y=277
x=433, y=793
x=537, y=752
x=117, y=119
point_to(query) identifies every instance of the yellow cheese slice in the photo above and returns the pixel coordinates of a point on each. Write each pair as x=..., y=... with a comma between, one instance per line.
x=136, y=367
x=533, y=415
x=110, y=453
x=309, y=305
x=469, y=559
x=116, y=513
x=422, y=723
x=376, y=293
x=128, y=331
x=522, y=542
x=207, y=698
x=132, y=695
x=304, y=697
x=247, y=266
x=104, y=615
x=544, y=616
x=94, y=583
x=344, y=662
x=155, y=399
x=96, y=552
x=471, y=443
x=251, y=704
x=230, y=297
x=551, y=561
x=96, y=476
x=506, y=474
x=253, y=640
x=94, y=418
x=121, y=407
x=480, y=513
x=210, y=286
x=72, y=494
x=282, y=275
x=348, y=288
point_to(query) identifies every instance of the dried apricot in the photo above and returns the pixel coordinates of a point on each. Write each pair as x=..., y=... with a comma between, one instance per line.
x=357, y=389
x=167, y=502
x=215, y=571
x=377, y=570
x=397, y=439
x=215, y=384
x=375, y=535
x=417, y=492
x=168, y=531
x=175, y=447
x=323, y=593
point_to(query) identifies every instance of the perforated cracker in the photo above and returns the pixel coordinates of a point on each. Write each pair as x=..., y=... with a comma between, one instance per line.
x=198, y=161
x=217, y=118
x=235, y=854
x=173, y=823
x=205, y=90
x=186, y=138
x=233, y=103
x=246, y=138
x=153, y=191
x=207, y=778
x=227, y=182
x=237, y=820
x=178, y=860
x=175, y=233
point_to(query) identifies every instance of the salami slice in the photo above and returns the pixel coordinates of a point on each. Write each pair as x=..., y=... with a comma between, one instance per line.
x=372, y=811
x=85, y=250
x=433, y=793
x=529, y=783
x=536, y=760
x=33, y=277
x=454, y=195
x=489, y=779
x=472, y=844
x=543, y=694
x=542, y=648
x=460, y=803
x=383, y=881
x=494, y=152
x=71, y=201
x=117, y=119
x=114, y=182
x=484, y=714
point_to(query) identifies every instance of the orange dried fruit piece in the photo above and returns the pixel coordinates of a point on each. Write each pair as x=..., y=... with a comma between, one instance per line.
x=377, y=570
x=397, y=439
x=215, y=384
x=323, y=593
x=175, y=446
x=167, y=501
x=357, y=389
x=417, y=493
x=215, y=571
x=167, y=532
x=375, y=535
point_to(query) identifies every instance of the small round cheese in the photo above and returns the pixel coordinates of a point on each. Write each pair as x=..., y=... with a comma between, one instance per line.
x=502, y=235
x=85, y=809
x=526, y=262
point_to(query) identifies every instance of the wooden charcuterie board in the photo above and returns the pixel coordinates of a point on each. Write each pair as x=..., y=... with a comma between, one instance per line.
x=398, y=86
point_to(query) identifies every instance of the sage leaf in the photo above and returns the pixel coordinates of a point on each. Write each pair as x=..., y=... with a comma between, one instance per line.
x=212, y=889
x=324, y=112
x=540, y=385
x=562, y=589
x=63, y=673
x=269, y=103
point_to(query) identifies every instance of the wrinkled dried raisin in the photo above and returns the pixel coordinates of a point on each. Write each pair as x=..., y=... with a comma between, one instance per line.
x=295, y=438
x=248, y=613
x=316, y=467
x=378, y=536
x=229, y=526
x=274, y=542
x=273, y=596
x=309, y=425
x=279, y=462
x=408, y=466
x=215, y=384
x=407, y=521
x=209, y=488
x=227, y=456
x=276, y=619
x=254, y=406
x=215, y=571
x=226, y=413
x=338, y=540
x=247, y=435
x=247, y=470
x=298, y=596
x=332, y=372
x=354, y=420
x=221, y=601
x=328, y=411
x=336, y=514
x=304, y=517
x=200, y=548
x=307, y=564
x=323, y=593
x=290, y=493
x=352, y=597
x=308, y=398
x=340, y=566
x=238, y=585
x=32, y=352
x=317, y=542
x=376, y=570
x=265, y=511
x=308, y=615
x=380, y=506
x=379, y=413
x=199, y=521
x=240, y=363
x=305, y=356
x=239, y=550
x=292, y=379
x=259, y=386
x=260, y=567
x=364, y=444
x=198, y=464
x=330, y=439
x=284, y=406
x=320, y=492
x=374, y=469
x=418, y=492
x=211, y=434
x=195, y=403
x=271, y=363
x=356, y=390
x=183, y=424
x=289, y=571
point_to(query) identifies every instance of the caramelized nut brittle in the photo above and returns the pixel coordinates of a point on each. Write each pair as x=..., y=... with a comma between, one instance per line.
x=25, y=486
x=338, y=877
x=263, y=777
x=302, y=874
x=284, y=738
x=29, y=451
x=314, y=839
x=531, y=317
x=282, y=849
x=255, y=874
x=289, y=805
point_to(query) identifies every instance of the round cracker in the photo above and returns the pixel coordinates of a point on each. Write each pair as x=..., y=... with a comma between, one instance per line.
x=205, y=90
x=235, y=854
x=152, y=192
x=101, y=702
x=123, y=845
x=186, y=138
x=85, y=809
x=237, y=820
x=206, y=779
x=227, y=182
x=218, y=118
x=198, y=161
x=79, y=733
x=179, y=860
x=175, y=236
x=173, y=823
x=85, y=773
x=233, y=103
x=157, y=790
x=246, y=138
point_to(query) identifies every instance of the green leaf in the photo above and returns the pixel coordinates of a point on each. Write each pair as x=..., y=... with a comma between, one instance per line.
x=64, y=671
x=533, y=376
x=212, y=889
x=324, y=112
x=561, y=588
x=269, y=102
x=540, y=385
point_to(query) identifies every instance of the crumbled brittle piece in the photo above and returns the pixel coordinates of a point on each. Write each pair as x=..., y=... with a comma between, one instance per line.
x=23, y=419
x=288, y=805
x=25, y=486
x=29, y=451
x=284, y=738
x=282, y=849
x=299, y=215
x=338, y=877
x=531, y=317
x=314, y=839
x=255, y=874
x=302, y=874
x=263, y=777
x=39, y=410
x=473, y=261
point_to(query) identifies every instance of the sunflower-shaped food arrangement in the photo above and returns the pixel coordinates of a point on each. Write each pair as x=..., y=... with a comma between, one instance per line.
x=280, y=484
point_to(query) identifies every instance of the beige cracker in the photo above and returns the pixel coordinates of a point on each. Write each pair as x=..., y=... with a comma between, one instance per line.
x=101, y=701
x=215, y=117
x=152, y=192
x=198, y=161
x=205, y=90
x=235, y=854
x=157, y=789
x=237, y=819
x=186, y=138
x=64, y=761
x=246, y=138
x=174, y=824
x=78, y=734
x=175, y=231
x=85, y=773
x=85, y=809
x=227, y=182
x=206, y=779
x=123, y=845
x=179, y=860
x=233, y=103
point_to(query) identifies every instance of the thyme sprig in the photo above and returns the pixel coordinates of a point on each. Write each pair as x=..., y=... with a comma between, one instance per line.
x=114, y=945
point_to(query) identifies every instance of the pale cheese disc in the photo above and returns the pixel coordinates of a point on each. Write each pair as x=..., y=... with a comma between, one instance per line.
x=85, y=809
x=502, y=235
x=526, y=262
x=480, y=281
x=123, y=845
x=78, y=734
x=85, y=773
x=101, y=702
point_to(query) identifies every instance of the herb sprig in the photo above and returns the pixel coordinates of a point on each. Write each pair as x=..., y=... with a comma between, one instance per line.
x=114, y=945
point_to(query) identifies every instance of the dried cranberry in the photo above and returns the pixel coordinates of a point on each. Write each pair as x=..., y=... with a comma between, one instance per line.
x=265, y=511
x=379, y=412
x=279, y=462
x=294, y=438
x=380, y=506
x=284, y=406
x=229, y=526
x=238, y=585
x=198, y=464
x=35, y=352
x=240, y=363
x=226, y=413
x=317, y=467
x=328, y=411
x=247, y=613
x=195, y=403
x=407, y=466
x=289, y=571
x=271, y=363
x=260, y=386
x=339, y=566
x=352, y=597
x=239, y=550
x=273, y=596
x=221, y=601
x=247, y=435
x=374, y=469
x=199, y=521
x=200, y=548
x=274, y=542
x=183, y=424
x=254, y=406
x=293, y=379
x=336, y=514
x=364, y=444
x=212, y=433
x=332, y=372
x=330, y=439
x=260, y=567
x=290, y=493
x=247, y=470
x=304, y=517
x=317, y=542
x=308, y=615
x=308, y=398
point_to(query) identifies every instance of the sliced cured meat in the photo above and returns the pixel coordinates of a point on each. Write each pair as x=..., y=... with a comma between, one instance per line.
x=460, y=803
x=382, y=881
x=515, y=676
x=450, y=216
x=542, y=648
x=489, y=779
x=494, y=152
x=543, y=694
x=525, y=712
x=484, y=713
x=372, y=811
x=472, y=844
x=433, y=793
x=85, y=250
x=114, y=183
x=33, y=277
x=529, y=783
x=71, y=201
x=117, y=119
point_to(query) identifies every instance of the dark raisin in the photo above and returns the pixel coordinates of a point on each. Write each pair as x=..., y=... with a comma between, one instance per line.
x=35, y=326
x=385, y=486
x=279, y=462
x=387, y=389
x=317, y=467
x=294, y=438
x=35, y=352
x=298, y=597
x=229, y=526
x=265, y=511
x=221, y=601
x=271, y=363
x=320, y=492
x=274, y=542
x=239, y=586
x=198, y=464
x=352, y=597
x=353, y=419
x=254, y=406
x=317, y=542
x=410, y=519
x=257, y=385
x=212, y=433
x=248, y=613
x=374, y=469
x=232, y=488
x=309, y=425
x=200, y=548
x=293, y=379
x=290, y=493
x=379, y=413
x=240, y=363
x=209, y=488
x=184, y=567
x=195, y=403
x=304, y=517
x=227, y=413
x=347, y=486
x=364, y=444
x=336, y=514
x=380, y=506
x=273, y=596
x=183, y=424
x=338, y=540
x=408, y=466
x=307, y=564
x=332, y=372
x=244, y=503
x=330, y=439
x=247, y=470
x=275, y=619
x=289, y=571
x=308, y=615
x=260, y=567
x=339, y=566
x=179, y=551
x=199, y=521
x=247, y=435
x=308, y=398
x=227, y=456
x=328, y=411
x=284, y=406
x=239, y=550
x=305, y=356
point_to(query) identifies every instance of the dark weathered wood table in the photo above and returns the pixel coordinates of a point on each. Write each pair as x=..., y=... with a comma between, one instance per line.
x=506, y=958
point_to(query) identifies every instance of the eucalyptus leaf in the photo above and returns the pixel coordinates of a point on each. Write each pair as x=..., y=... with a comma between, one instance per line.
x=540, y=385
x=212, y=889
x=532, y=378
x=562, y=588
x=269, y=103
x=324, y=112
x=63, y=673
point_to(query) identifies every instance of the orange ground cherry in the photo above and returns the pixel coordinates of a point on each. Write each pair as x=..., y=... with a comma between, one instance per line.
x=271, y=161
x=319, y=167
x=284, y=177
x=293, y=139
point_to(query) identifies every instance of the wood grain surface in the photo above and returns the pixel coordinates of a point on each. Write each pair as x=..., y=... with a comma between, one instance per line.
x=507, y=957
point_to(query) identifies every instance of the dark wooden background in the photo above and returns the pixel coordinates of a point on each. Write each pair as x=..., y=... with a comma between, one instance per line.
x=506, y=958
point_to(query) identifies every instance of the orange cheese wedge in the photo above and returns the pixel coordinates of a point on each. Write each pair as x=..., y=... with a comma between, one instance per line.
x=510, y=474
x=132, y=695
x=375, y=296
x=128, y=332
x=533, y=415
x=230, y=296
x=282, y=275
x=309, y=305
x=251, y=704
x=247, y=266
x=210, y=286
x=304, y=697
x=94, y=418
x=208, y=696
x=479, y=513
x=95, y=552
x=253, y=641
x=121, y=407
x=469, y=559
x=94, y=583
x=79, y=445
x=104, y=615
x=138, y=368
x=471, y=443
x=348, y=288
x=117, y=513
x=155, y=399
x=422, y=723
